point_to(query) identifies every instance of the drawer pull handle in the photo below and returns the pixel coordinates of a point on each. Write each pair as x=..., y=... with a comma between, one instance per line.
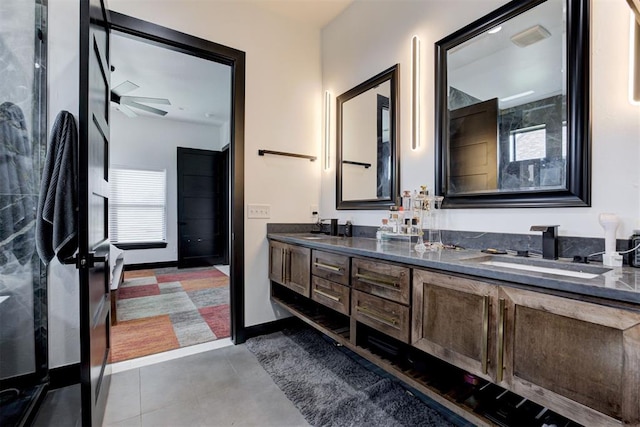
x=389, y=284
x=501, y=323
x=283, y=271
x=328, y=267
x=391, y=321
x=485, y=333
x=327, y=295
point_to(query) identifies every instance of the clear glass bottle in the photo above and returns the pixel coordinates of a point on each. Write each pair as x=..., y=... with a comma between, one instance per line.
x=383, y=229
x=435, y=234
x=406, y=201
x=394, y=218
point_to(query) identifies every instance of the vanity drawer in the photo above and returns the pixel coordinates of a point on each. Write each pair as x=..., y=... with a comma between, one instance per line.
x=331, y=294
x=386, y=316
x=383, y=279
x=330, y=266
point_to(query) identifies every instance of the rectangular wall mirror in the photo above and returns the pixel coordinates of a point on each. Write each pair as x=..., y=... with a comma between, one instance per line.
x=512, y=108
x=367, y=148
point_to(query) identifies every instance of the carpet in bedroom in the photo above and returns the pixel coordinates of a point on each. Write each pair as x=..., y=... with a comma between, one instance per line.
x=165, y=309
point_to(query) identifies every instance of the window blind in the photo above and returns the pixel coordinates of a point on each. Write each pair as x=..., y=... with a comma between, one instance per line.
x=137, y=206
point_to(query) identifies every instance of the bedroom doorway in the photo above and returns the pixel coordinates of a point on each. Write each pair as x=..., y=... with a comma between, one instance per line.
x=229, y=134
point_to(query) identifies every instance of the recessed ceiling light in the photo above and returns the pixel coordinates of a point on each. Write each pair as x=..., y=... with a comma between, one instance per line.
x=209, y=115
x=495, y=30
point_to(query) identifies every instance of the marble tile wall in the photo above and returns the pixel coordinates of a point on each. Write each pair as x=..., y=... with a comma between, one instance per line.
x=22, y=281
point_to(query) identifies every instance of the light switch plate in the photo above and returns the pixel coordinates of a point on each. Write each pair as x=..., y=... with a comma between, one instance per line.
x=258, y=211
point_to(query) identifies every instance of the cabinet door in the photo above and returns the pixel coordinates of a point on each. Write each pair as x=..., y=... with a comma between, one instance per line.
x=577, y=358
x=454, y=320
x=298, y=269
x=276, y=261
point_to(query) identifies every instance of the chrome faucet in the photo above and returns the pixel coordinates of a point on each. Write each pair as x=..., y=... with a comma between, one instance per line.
x=549, y=240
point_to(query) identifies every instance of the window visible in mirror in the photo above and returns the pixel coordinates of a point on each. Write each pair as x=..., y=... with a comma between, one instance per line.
x=529, y=143
x=529, y=87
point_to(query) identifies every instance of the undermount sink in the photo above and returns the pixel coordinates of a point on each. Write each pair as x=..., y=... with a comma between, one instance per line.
x=319, y=237
x=580, y=271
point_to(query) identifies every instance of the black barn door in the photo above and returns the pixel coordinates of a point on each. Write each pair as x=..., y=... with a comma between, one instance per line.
x=93, y=190
x=203, y=205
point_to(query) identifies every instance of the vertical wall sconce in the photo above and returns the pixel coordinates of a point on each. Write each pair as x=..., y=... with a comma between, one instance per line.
x=327, y=130
x=634, y=60
x=415, y=93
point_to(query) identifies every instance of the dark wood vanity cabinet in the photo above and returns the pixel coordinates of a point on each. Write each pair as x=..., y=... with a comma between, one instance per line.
x=330, y=280
x=454, y=319
x=380, y=297
x=289, y=266
x=577, y=358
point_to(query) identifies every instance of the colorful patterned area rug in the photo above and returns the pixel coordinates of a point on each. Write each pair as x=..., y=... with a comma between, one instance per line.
x=165, y=309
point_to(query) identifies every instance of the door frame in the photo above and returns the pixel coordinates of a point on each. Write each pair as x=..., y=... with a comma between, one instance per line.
x=205, y=49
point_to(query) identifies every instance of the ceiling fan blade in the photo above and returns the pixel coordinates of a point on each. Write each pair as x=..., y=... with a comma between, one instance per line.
x=127, y=111
x=144, y=107
x=163, y=101
x=124, y=87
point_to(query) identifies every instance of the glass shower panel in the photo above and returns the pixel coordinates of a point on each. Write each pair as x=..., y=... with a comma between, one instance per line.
x=22, y=146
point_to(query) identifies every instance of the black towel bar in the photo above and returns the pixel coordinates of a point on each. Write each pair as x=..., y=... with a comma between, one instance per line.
x=349, y=162
x=282, y=153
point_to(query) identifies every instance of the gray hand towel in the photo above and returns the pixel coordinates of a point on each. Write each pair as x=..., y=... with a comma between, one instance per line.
x=57, y=220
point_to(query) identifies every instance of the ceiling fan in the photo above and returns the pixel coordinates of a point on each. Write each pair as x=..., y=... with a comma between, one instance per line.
x=126, y=103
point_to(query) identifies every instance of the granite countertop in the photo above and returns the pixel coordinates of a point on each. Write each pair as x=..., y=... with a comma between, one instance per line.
x=594, y=279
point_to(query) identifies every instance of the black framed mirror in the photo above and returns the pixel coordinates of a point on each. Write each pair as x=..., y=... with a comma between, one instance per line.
x=368, y=156
x=512, y=106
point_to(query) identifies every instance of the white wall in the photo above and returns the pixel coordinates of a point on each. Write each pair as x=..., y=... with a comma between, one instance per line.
x=354, y=48
x=283, y=112
x=151, y=143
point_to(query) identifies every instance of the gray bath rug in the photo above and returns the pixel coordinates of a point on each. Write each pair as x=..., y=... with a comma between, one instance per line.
x=331, y=389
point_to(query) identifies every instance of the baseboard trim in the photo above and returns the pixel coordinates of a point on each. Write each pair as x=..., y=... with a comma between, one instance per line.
x=64, y=376
x=270, y=327
x=150, y=265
